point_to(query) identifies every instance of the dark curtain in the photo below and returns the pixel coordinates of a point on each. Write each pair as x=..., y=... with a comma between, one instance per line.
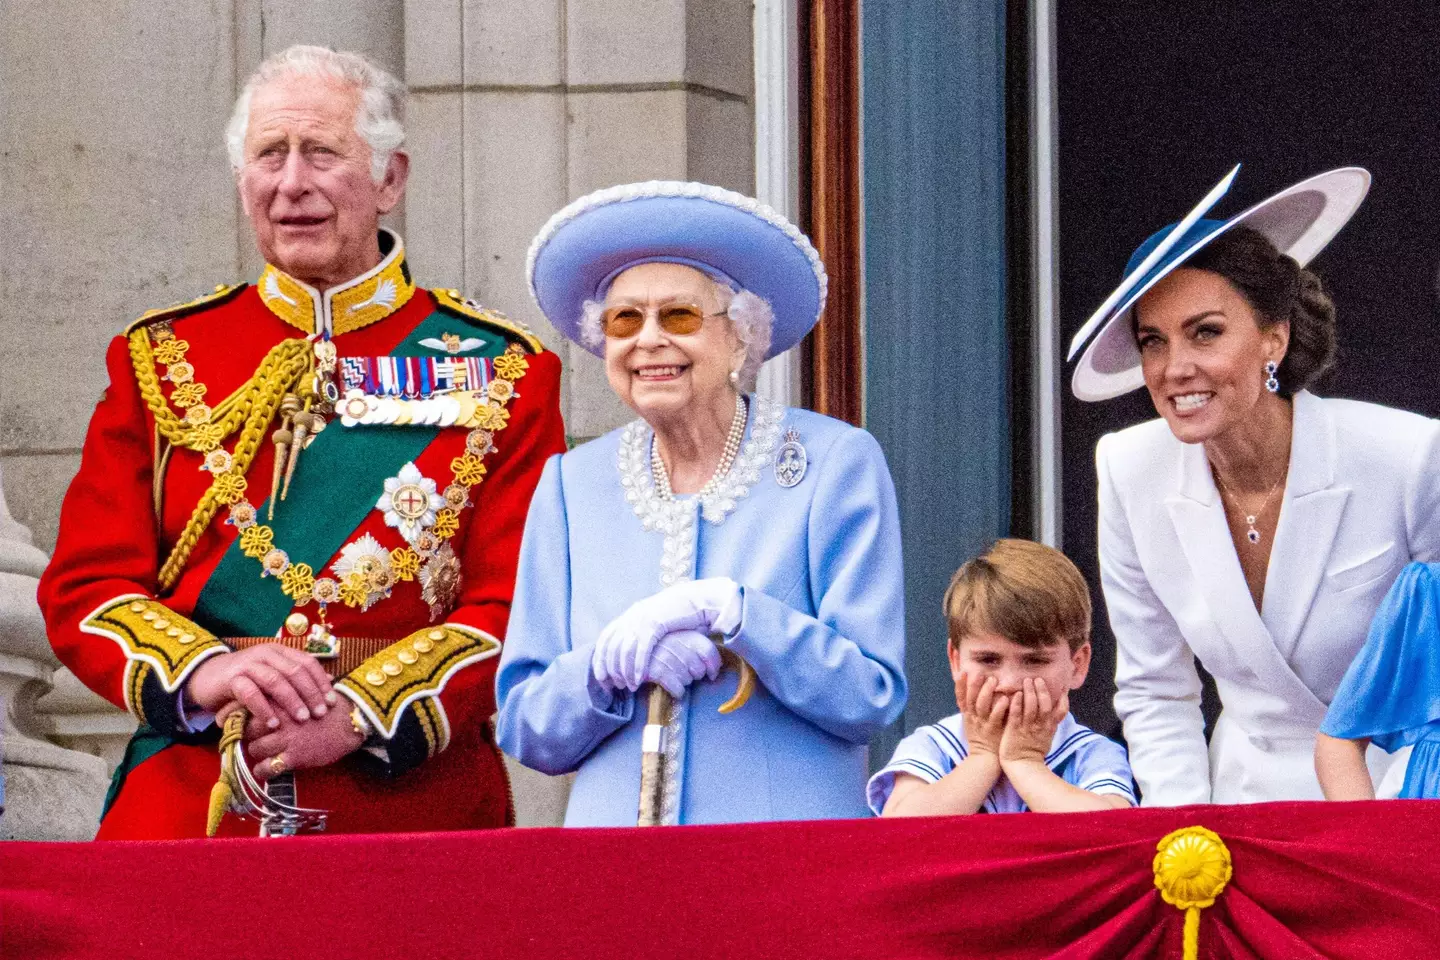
x=936, y=357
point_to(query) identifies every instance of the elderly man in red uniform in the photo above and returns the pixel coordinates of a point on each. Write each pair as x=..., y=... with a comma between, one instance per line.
x=304, y=498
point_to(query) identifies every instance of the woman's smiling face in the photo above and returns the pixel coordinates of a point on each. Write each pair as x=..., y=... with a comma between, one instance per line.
x=661, y=373
x=1203, y=353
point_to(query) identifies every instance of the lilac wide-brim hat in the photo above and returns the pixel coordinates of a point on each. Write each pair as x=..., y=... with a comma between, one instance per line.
x=732, y=238
x=1300, y=220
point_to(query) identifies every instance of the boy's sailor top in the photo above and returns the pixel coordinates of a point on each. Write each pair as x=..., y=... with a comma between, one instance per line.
x=233, y=482
x=1078, y=755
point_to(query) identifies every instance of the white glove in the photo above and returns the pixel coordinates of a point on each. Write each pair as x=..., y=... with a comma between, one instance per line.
x=623, y=649
x=679, y=659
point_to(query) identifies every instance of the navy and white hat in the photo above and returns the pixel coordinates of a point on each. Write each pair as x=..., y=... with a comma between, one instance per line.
x=1300, y=220
x=736, y=240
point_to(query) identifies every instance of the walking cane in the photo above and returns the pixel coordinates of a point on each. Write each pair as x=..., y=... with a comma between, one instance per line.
x=659, y=706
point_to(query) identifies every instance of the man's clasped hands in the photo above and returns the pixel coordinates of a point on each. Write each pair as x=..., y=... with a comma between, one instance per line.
x=296, y=721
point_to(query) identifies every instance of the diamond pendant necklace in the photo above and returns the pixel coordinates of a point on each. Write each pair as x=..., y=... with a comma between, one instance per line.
x=1251, y=533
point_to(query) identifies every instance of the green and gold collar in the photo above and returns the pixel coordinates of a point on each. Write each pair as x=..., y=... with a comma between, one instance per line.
x=372, y=296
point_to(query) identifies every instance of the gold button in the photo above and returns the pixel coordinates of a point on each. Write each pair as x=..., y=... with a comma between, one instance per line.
x=392, y=668
x=173, y=632
x=375, y=678
x=187, y=638
x=160, y=624
x=437, y=634
x=423, y=645
x=297, y=624
x=406, y=657
x=136, y=607
x=149, y=615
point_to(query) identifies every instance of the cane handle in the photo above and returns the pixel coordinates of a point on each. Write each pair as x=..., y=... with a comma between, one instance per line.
x=746, y=685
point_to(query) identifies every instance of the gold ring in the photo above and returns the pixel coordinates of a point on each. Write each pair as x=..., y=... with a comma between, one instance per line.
x=277, y=764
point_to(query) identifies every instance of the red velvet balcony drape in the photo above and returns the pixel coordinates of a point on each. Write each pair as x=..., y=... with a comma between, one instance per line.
x=1310, y=880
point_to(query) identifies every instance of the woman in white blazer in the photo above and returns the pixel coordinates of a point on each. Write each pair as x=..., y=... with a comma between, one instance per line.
x=1255, y=526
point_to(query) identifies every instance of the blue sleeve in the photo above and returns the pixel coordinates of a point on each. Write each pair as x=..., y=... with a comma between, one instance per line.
x=1100, y=766
x=1392, y=688
x=844, y=668
x=918, y=755
x=551, y=713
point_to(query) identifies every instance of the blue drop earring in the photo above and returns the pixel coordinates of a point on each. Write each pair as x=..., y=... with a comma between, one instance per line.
x=1271, y=383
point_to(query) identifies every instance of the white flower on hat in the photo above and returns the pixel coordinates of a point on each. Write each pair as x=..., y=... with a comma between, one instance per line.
x=410, y=502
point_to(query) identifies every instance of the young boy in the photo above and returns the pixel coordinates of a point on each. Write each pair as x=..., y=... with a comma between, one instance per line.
x=1019, y=630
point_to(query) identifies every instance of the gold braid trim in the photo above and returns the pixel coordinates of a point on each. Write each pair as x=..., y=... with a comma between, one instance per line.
x=281, y=370
x=224, y=417
x=227, y=788
x=231, y=412
x=135, y=673
x=432, y=724
x=415, y=671
x=154, y=637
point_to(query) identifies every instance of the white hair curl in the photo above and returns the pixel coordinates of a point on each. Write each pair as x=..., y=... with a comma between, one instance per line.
x=379, y=119
x=750, y=317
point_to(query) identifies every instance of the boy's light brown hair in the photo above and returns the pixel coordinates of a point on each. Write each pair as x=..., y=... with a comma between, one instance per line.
x=1023, y=591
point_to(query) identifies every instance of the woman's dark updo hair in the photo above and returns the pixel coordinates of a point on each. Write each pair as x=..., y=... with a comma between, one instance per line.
x=1279, y=289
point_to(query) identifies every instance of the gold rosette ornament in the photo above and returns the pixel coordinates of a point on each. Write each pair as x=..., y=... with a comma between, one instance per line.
x=1192, y=868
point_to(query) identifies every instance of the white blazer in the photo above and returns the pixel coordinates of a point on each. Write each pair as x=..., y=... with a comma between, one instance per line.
x=1362, y=499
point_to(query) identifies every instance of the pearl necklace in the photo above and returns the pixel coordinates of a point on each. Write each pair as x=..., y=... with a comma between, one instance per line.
x=727, y=458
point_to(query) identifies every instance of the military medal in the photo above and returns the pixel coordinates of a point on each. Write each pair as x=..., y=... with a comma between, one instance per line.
x=410, y=502
x=791, y=461
x=433, y=391
x=452, y=343
x=440, y=581
x=363, y=573
x=423, y=391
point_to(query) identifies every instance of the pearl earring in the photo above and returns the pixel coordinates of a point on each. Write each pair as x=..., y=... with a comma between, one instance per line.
x=1271, y=383
x=734, y=376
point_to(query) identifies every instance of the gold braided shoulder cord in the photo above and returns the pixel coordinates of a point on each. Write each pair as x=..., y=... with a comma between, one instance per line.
x=203, y=427
x=254, y=404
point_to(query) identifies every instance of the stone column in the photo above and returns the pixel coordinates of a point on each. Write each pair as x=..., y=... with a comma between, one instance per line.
x=50, y=793
x=77, y=718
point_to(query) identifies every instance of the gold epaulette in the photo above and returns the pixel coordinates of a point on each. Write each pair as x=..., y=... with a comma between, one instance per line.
x=412, y=673
x=219, y=295
x=452, y=302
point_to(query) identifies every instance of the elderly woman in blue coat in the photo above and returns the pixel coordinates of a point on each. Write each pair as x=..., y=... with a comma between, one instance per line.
x=718, y=519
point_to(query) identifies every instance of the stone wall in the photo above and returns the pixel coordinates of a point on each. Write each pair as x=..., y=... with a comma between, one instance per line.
x=116, y=196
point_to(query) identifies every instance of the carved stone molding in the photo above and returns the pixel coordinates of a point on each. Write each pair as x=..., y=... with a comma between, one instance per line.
x=50, y=793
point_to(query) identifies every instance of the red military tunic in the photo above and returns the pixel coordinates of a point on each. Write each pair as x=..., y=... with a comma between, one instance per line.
x=133, y=639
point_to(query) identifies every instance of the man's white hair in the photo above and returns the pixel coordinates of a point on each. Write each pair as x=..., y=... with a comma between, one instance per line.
x=379, y=119
x=750, y=317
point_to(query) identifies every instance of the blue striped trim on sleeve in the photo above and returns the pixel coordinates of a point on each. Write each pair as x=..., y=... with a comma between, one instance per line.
x=1110, y=785
x=1075, y=738
x=926, y=772
x=950, y=736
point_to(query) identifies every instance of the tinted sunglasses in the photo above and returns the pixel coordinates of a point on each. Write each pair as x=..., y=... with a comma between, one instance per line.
x=626, y=319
